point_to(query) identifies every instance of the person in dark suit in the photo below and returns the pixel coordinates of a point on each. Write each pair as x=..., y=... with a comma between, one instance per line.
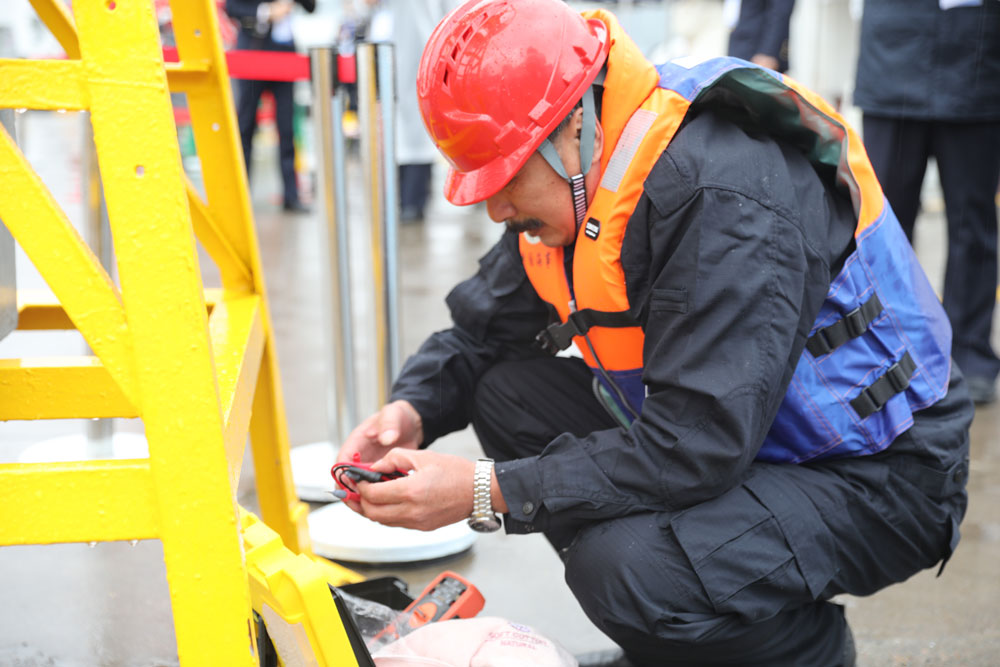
x=266, y=26
x=928, y=83
x=761, y=33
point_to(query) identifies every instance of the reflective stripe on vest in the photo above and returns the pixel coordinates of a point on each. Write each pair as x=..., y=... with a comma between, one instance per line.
x=892, y=339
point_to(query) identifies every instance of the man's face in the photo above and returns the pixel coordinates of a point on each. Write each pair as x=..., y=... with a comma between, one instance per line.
x=537, y=200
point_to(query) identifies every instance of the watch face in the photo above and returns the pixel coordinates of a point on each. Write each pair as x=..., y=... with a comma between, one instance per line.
x=484, y=524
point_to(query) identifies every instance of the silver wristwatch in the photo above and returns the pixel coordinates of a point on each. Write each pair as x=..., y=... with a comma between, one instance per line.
x=483, y=518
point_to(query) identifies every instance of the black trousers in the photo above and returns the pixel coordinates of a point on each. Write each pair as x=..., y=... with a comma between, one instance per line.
x=248, y=98
x=968, y=159
x=744, y=578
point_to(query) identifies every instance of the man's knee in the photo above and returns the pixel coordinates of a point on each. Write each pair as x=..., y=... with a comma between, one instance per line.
x=494, y=410
x=631, y=578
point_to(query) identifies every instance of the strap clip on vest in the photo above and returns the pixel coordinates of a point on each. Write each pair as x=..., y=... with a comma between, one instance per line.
x=896, y=379
x=557, y=337
x=851, y=326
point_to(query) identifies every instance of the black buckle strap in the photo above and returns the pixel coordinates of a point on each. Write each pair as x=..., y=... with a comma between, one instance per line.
x=852, y=325
x=896, y=379
x=557, y=337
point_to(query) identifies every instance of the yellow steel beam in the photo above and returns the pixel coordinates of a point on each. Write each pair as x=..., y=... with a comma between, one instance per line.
x=39, y=310
x=161, y=290
x=91, y=501
x=186, y=76
x=279, y=506
x=220, y=151
x=57, y=18
x=235, y=274
x=60, y=388
x=237, y=335
x=213, y=120
x=42, y=84
x=291, y=593
x=68, y=265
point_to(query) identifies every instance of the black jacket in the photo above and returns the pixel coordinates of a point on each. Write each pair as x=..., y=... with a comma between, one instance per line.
x=727, y=257
x=244, y=12
x=919, y=61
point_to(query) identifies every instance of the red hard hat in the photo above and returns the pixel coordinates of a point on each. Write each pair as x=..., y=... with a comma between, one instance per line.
x=496, y=77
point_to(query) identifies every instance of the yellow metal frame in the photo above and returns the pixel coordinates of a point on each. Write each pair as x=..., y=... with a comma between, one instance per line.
x=197, y=366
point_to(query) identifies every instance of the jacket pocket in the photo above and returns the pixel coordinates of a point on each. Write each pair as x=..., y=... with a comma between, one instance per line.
x=757, y=547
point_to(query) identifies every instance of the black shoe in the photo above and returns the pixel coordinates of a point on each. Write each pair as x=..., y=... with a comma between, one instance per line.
x=295, y=207
x=409, y=215
x=982, y=390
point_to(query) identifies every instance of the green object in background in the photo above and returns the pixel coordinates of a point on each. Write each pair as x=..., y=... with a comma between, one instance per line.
x=185, y=138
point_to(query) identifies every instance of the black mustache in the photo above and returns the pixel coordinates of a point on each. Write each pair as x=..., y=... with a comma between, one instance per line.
x=528, y=225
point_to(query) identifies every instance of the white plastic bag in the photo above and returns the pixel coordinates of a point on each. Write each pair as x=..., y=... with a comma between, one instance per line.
x=474, y=642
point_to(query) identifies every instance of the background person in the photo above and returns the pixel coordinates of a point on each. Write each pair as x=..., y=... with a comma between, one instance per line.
x=928, y=82
x=266, y=26
x=408, y=24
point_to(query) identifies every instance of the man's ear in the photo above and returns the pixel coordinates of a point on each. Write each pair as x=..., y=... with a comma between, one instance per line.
x=577, y=121
x=595, y=161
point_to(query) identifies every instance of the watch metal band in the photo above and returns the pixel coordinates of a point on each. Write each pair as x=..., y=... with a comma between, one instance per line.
x=483, y=518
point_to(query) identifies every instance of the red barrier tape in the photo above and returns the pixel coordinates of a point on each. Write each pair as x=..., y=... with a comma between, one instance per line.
x=272, y=65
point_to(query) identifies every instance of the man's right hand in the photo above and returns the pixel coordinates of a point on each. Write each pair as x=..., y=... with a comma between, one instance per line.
x=396, y=425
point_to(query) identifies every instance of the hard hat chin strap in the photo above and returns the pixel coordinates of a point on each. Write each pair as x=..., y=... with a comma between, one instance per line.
x=576, y=185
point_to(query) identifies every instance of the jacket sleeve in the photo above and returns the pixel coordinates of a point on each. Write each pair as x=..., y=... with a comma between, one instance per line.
x=496, y=315
x=774, y=28
x=726, y=284
x=242, y=9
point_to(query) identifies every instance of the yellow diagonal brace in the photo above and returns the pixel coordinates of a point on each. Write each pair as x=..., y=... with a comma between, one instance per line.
x=42, y=84
x=68, y=265
x=46, y=503
x=235, y=274
x=213, y=120
x=237, y=335
x=56, y=17
x=60, y=388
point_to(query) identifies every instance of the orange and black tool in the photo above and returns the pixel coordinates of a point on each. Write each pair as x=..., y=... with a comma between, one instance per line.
x=449, y=595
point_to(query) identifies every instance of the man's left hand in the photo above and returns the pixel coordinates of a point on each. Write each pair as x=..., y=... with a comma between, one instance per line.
x=436, y=492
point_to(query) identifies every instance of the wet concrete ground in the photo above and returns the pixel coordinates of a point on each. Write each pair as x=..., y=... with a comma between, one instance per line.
x=77, y=605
